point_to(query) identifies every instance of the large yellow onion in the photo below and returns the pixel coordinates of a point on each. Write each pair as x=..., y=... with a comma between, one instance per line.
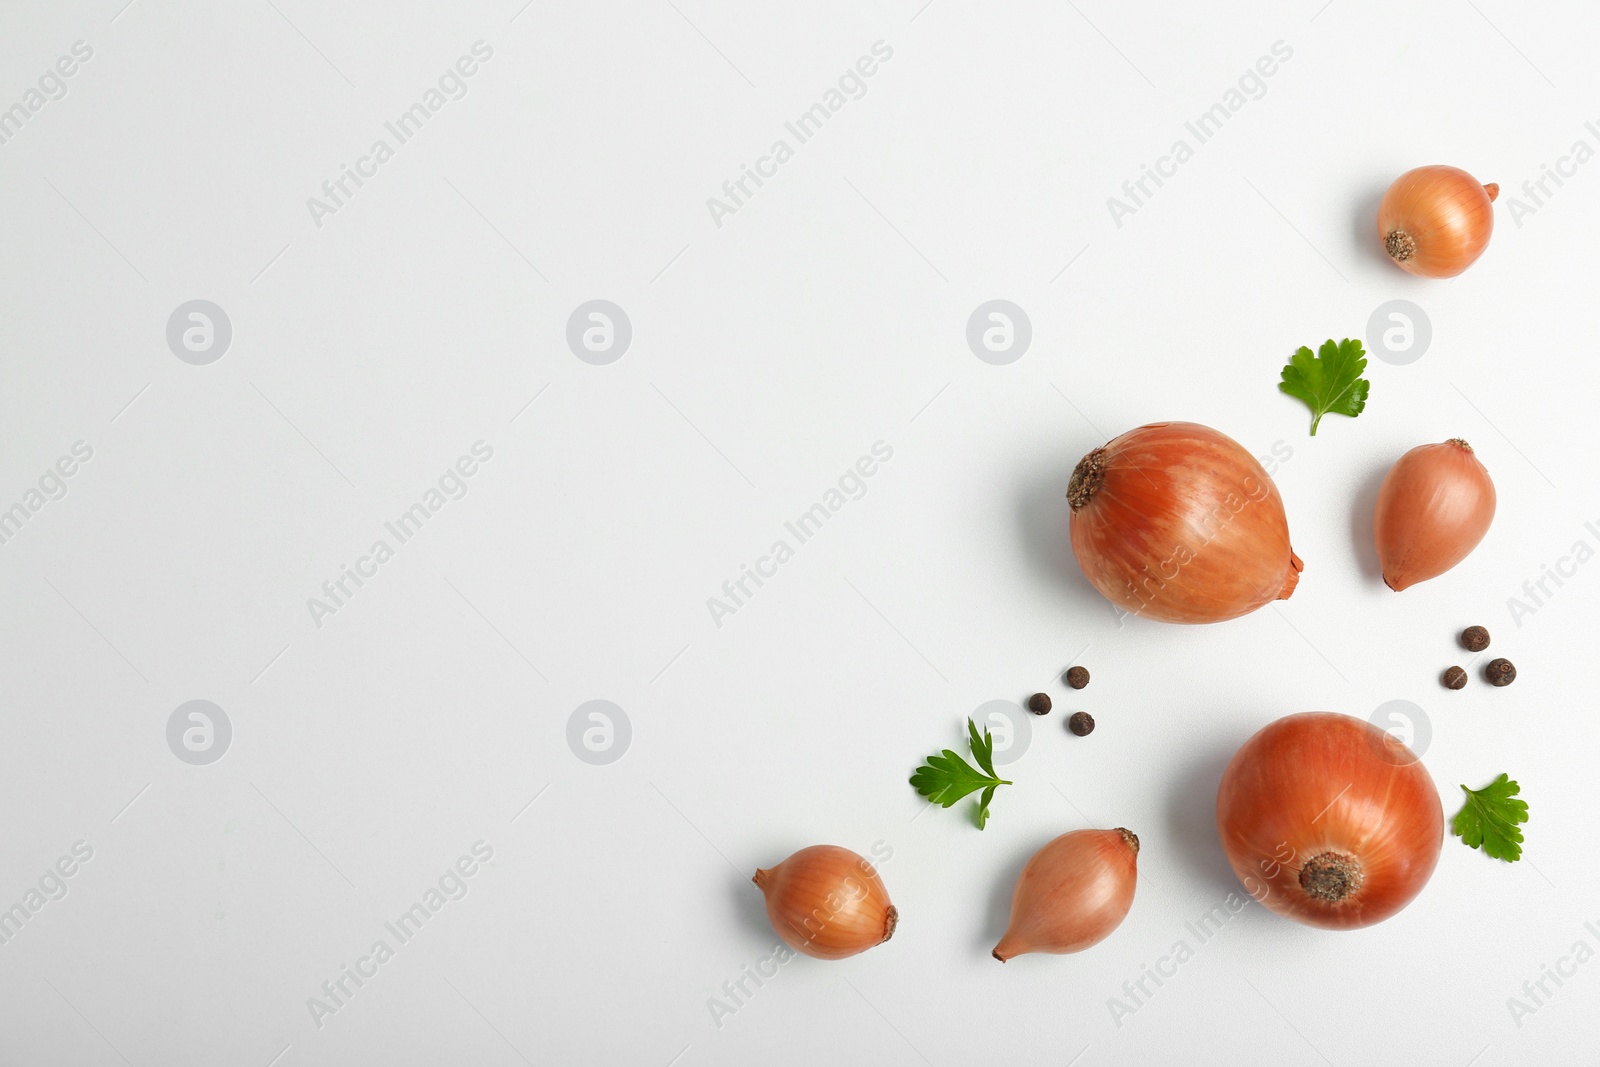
x=1177, y=522
x=1329, y=820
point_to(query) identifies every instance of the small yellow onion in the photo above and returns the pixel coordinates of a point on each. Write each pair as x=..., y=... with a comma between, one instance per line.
x=1435, y=221
x=1072, y=894
x=827, y=902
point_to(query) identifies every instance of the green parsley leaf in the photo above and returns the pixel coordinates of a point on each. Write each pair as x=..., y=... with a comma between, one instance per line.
x=983, y=807
x=946, y=778
x=1329, y=381
x=1490, y=819
x=982, y=748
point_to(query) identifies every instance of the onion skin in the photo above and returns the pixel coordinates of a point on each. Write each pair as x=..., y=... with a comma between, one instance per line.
x=1072, y=894
x=827, y=902
x=1329, y=820
x=1434, y=507
x=1436, y=221
x=1176, y=522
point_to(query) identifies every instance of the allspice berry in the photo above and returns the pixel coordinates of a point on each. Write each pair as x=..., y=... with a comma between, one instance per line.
x=1039, y=703
x=1475, y=639
x=1077, y=677
x=1081, y=723
x=1500, y=672
x=1455, y=678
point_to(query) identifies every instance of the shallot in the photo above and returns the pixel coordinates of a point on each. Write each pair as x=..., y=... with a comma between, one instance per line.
x=1072, y=894
x=1434, y=507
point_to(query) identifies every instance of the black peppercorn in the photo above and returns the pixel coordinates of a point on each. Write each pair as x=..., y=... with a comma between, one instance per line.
x=1039, y=703
x=1500, y=672
x=1455, y=678
x=1081, y=723
x=1474, y=639
x=1077, y=677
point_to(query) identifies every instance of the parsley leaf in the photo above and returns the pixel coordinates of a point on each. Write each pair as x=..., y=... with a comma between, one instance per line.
x=1329, y=381
x=982, y=748
x=1490, y=819
x=983, y=807
x=946, y=778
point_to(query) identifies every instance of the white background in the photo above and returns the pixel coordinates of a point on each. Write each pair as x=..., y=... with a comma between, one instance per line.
x=768, y=354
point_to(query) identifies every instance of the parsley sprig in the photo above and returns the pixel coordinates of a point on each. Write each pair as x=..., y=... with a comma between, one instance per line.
x=946, y=778
x=1329, y=381
x=1489, y=819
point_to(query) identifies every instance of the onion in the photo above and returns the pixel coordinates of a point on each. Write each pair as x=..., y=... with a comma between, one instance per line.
x=1072, y=894
x=1177, y=522
x=827, y=902
x=1434, y=507
x=1329, y=820
x=1435, y=221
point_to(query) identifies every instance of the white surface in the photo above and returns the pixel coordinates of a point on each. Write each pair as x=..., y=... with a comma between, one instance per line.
x=827, y=314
